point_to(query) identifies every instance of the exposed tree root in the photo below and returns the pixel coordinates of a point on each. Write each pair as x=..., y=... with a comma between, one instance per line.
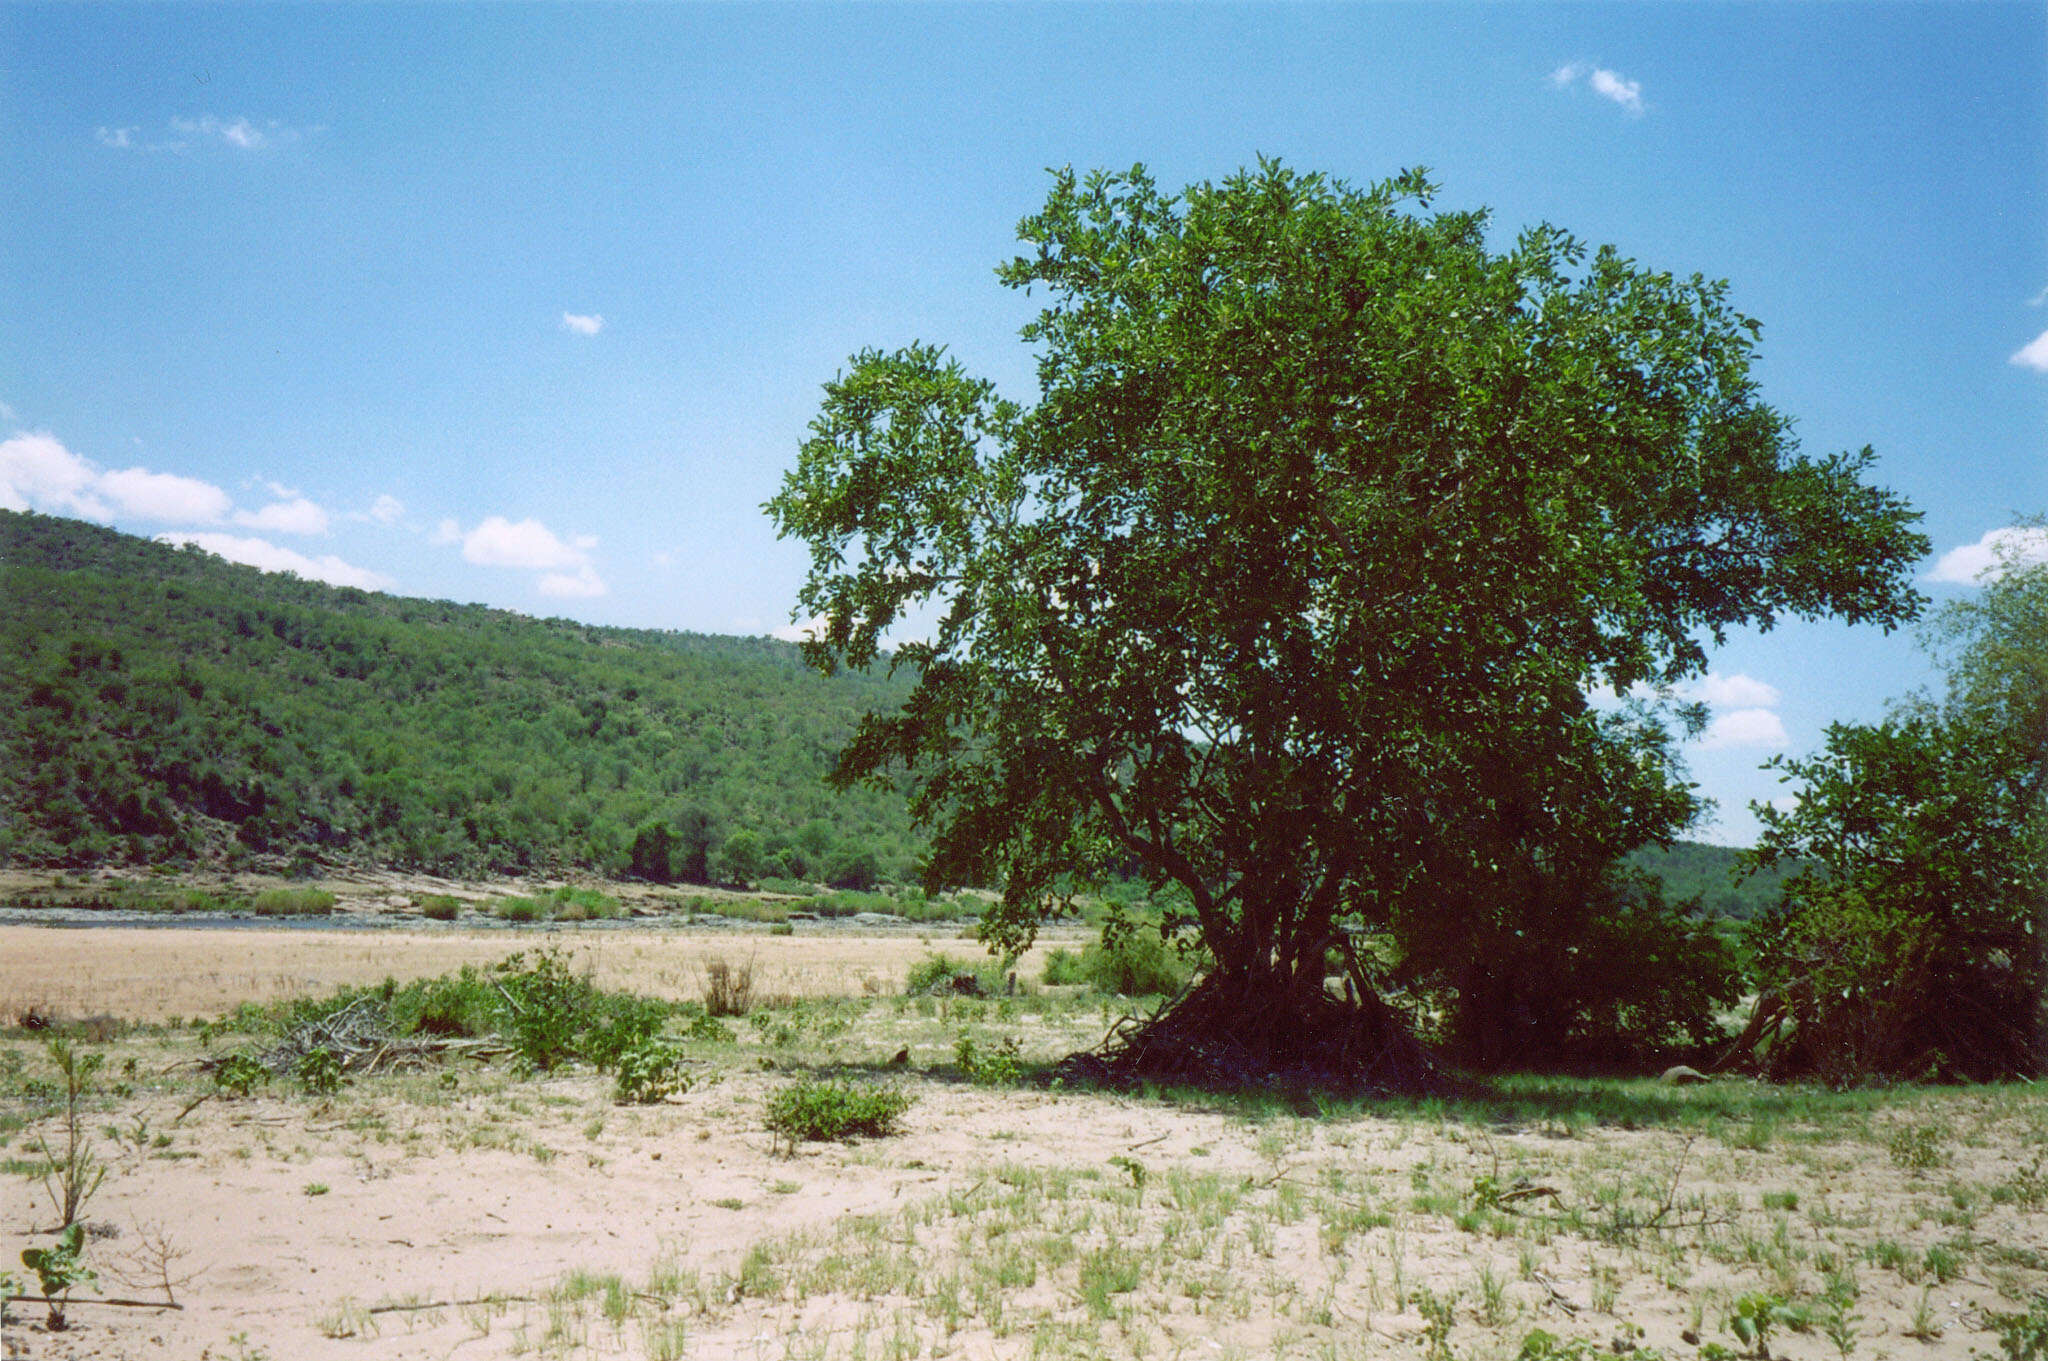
x=1231, y=1035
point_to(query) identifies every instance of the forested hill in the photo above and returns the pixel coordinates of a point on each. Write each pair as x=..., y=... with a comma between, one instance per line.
x=161, y=705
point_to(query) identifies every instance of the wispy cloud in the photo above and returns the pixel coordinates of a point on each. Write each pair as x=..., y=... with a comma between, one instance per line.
x=1992, y=556
x=269, y=557
x=386, y=509
x=294, y=516
x=183, y=134
x=2033, y=355
x=1609, y=84
x=582, y=325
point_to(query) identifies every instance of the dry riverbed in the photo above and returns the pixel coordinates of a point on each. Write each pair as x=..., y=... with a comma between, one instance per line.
x=465, y=1211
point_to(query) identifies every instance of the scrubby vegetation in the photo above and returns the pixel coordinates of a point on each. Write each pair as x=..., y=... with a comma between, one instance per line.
x=161, y=706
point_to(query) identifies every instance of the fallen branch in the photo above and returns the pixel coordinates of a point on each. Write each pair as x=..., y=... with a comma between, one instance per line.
x=82, y=1299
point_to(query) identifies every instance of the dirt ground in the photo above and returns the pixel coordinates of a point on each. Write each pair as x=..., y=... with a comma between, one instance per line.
x=464, y=1211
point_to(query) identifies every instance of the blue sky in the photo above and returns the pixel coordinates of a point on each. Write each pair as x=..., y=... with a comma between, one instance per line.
x=531, y=306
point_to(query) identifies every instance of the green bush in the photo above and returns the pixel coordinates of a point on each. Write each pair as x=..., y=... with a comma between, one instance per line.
x=292, y=902
x=1135, y=963
x=240, y=1075
x=440, y=907
x=814, y=1110
x=584, y=904
x=1063, y=968
x=936, y=972
x=648, y=1072
x=519, y=909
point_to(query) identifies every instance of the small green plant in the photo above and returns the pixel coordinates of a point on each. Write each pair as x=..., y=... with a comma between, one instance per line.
x=239, y=1075
x=648, y=1073
x=318, y=1072
x=72, y=1175
x=814, y=1110
x=996, y=1067
x=314, y=1188
x=440, y=907
x=1917, y=1148
x=2022, y=1336
x=1756, y=1316
x=1437, y=1312
x=60, y=1268
x=1840, y=1324
x=1105, y=1273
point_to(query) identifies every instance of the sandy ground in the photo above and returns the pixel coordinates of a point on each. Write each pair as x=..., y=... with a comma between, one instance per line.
x=541, y=1219
x=157, y=973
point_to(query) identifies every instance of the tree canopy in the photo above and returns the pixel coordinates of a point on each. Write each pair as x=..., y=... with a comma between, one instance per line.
x=1912, y=943
x=1291, y=587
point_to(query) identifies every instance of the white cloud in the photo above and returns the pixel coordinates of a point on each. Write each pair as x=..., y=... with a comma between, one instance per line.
x=386, y=509
x=1745, y=728
x=1992, y=556
x=164, y=496
x=296, y=516
x=38, y=472
x=6, y=412
x=269, y=557
x=581, y=584
x=582, y=326
x=117, y=137
x=1612, y=85
x=498, y=542
x=814, y=627
x=1732, y=692
x=2033, y=355
x=1608, y=84
x=530, y=546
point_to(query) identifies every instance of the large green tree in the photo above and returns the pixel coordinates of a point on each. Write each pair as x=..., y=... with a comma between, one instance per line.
x=1911, y=943
x=1291, y=587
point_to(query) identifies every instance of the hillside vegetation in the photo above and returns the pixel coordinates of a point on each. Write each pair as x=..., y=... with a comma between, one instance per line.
x=160, y=705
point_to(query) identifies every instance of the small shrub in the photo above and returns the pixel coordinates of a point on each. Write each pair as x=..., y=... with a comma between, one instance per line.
x=1917, y=1148
x=292, y=902
x=728, y=988
x=619, y=1022
x=1063, y=968
x=813, y=1110
x=240, y=1075
x=318, y=1072
x=440, y=907
x=703, y=1026
x=2022, y=1337
x=548, y=1006
x=59, y=1269
x=941, y=973
x=1135, y=963
x=995, y=1067
x=648, y=1073
x=519, y=910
